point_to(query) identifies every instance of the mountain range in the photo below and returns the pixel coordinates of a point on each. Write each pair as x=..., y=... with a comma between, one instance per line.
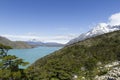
x=101, y=28
x=48, y=44
x=27, y=44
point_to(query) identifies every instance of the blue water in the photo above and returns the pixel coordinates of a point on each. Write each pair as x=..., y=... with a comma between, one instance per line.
x=31, y=55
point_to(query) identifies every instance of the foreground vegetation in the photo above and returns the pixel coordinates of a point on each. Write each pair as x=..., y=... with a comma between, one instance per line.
x=79, y=61
x=10, y=66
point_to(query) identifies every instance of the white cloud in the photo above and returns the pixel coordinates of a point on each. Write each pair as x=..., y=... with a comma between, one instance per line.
x=114, y=19
x=19, y=37
x=59, y=38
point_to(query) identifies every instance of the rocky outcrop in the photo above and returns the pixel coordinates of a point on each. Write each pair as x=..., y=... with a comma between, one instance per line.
x=113, y=72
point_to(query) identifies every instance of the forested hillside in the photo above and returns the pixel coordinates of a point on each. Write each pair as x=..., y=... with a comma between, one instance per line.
x=79, y=60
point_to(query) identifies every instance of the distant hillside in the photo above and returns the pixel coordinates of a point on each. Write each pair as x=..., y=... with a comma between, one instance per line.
x=48, y=44
x=16, y=44
x=80, y=61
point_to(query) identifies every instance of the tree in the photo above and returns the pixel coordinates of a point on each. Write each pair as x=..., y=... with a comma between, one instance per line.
x=9, y=65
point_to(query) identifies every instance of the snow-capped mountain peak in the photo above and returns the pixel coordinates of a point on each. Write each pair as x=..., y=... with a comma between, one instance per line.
x=98, y=30
x=101, y=26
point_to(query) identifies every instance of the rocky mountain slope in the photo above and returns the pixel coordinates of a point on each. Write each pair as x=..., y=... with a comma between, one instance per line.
x=83, y=60
x=98, y=30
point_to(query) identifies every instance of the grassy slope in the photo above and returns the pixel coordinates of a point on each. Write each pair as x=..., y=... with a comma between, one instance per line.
x=81, y=59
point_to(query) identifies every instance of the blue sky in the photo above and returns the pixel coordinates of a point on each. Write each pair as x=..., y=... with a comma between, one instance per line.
x=53, y=20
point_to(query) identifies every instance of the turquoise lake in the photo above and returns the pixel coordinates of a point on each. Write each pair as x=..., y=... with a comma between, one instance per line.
x=31, y=55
